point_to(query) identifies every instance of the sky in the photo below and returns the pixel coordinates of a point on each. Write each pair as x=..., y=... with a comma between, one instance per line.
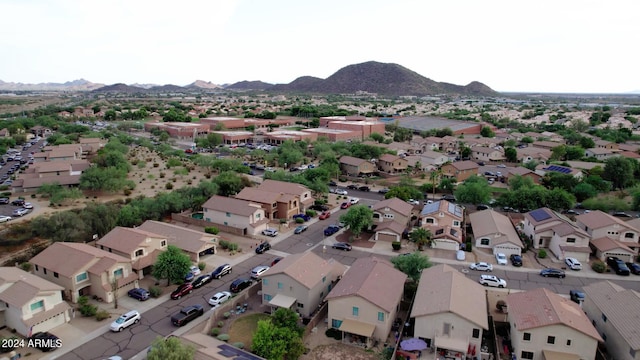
x=566, y=46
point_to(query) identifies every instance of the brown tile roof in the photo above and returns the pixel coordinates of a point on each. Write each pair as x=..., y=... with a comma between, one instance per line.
x=373, y=279
x=30, y=183
x=283, y=187
x=621, y=307
x=22, y=286
x=186, y=239
x=231, y=205
x=394, y=226
x=51, y=166
x=127, y=240
x=493, y=224
x=465, y=165
x=257, y=195
x=144, y=261
x=43, y=315
x=540, y=307
x=607, y=244
x=389, y=158
x=350, y=160
x=307, y=268
x=68, y=258
x=395, y=204
x=566, y=228
x=443, y=289
x=598, y=219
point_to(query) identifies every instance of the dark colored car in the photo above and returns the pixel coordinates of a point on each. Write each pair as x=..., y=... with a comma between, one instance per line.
x=331, y=229
x=263, y=247
x=621, y=214
x=276, y=260
x=221, y=270
x=383, y=191
x=239, y=284
x=139, y=294
x=342, y=246
x=332, y=183
x=45, y=341
x=618, y=266
x=201, y=281
x=181, y=291
x=187, y=314
x=516, y=260
x=634, y=268
x=449, y=197
x=352, y=187
x=304, y=217
x=318, y=207
x=577, y=296
x=189, y=277
x=364, y=188
x=300, y=229
x=17, y=202
x=482, y=207
x=551, y=272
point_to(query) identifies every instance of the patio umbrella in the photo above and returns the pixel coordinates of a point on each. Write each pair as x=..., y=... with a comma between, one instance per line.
x=413, y=344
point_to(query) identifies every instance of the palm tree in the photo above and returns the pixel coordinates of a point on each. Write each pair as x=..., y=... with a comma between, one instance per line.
x=421, y=237
x=434, y=176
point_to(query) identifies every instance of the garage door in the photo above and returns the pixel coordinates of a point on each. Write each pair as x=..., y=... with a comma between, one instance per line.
x=446, y=245
x=386, y=237
x=622, y=256
x=507, y=250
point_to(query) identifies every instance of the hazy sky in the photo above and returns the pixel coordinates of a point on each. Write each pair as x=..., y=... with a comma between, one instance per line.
x=509, y=45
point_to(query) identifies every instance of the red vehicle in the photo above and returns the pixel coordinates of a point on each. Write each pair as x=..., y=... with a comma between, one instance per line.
x=345, y=205
x=325, y=215
x=181, y=291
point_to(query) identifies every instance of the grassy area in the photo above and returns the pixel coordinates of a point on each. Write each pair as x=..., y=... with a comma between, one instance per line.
x=242, y=329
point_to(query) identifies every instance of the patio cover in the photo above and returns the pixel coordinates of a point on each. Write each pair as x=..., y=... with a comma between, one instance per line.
x=357, y=327
x=449, y=343
x=282, y=301
x=556, y=355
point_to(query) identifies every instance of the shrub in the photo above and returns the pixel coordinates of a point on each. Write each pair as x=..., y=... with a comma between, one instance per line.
x=212, y=230
x=542, y=253
x=215, y=332
x=239, y=345
x=396, y=245
x=233, y=247
x=468, y=247
x=155, y=291
x=226, y=315
x=223, y=337
x=283, y=221
x=311, y=213
x=26, y=266
x=202, y=265
x=102, y=314
x=88, y=310
x=141, y=164
x=224, y=244
x=127, y=192
x=169, y=186
x=598, y=266
x=220, y=323
x=155, y=165
x=83, y=300
x=162, y=175
x=299, y=220
x=33, y=196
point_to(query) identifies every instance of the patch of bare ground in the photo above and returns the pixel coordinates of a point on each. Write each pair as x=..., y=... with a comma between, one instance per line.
x=339, y=351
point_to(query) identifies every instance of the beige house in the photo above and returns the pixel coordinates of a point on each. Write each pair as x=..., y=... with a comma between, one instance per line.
x=450, y=311
x=392, y=217
x=82, y=269
x=483, y=153
x=444, y=220
x=194, y=243
x=392, y=164
x=548, y=229
x=492, y=230
x=353, y=166
x=241, y=214
x=460, y=170
x=433, y=158
x=364, y=304
x=300, y=193
x=610, y=308
x=30, y=303
x=545, y=325
x=533, y=153
x=600, y=225
x=300, y=282
x=140, y=247
x=601, y=153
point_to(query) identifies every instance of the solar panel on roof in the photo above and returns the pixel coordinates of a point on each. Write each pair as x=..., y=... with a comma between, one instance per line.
x=539, y=215
x=560, y=169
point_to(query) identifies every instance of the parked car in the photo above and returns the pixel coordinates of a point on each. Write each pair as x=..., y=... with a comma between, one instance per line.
x=384, y=191
x=270, y=232
x=482, y=207
x=240, y=284
x=345, y=205
x=300, y=229
x=573, y=263
x=352, y=187
x=45, y=341
x=257, y=271
x=501, y=259
x=17, y=202
x=492, y=280
x=481, y=266
x=342, y=246
x=4, y=201
x=219, y=298
x=621, y=214
x=276, y=260
x=27, y=205
x=221, y=270
x=325, y=215
x=332, y=183
x=354, y=201
x=551, y=272
x=264, y=246
x=341, y=192
x=576, y=296
x=304, y=217
x=331, y=229
x=139, y=293
x=125, y=320
x=195, y=270
x=364, y=188
x=516, y=260
x=5, y=218
x=319, y=207
x=634, y=268
x=20, y=212
x=448, y=197
x=618, y=266
x=189, y=277
x=202, y=280
x=181, y=291
x=187, y=314
x=413, y=202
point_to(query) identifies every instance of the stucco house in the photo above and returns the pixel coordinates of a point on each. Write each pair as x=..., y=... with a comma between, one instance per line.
x=364, y=304
x=354, y=166
x=460, y=170
x=194, y=243
x=82, y=269
x=532, y=153
x=484, y=153
x=493, y=230
x=450, y=311
x=29, y=303
x=601, y=153
x=300, y=193
x=300, y=282
x=444, y=220
x=392, y=217
x=610, y=236
x=545, y=325
x=140, y=247
x=610, y=307
x=433, y=158
x=392, y=164
x=241, y=214
x=550, y=230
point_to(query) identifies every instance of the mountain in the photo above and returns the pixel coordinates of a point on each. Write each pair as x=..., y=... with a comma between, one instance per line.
x=76, y=85
x=249, y=85
x=120, y=88
x=167, y=88
x=201, y=84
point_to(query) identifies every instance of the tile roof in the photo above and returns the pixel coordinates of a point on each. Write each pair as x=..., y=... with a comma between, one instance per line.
x=231, y=205
x=68, y=258
x=621, y=307
x=495, y=225
x=127, y=240
x=283, y=187
x=350, y=160
x=257, y=195
x=393, y=226
x=598, y=219
x=395, y=204
x=307, y=268
x=389, y=158
x=373, y=279
x=540, y=307
x=443, y=289
x=186, y=239
x=607, y=244
x=464, y=165
x=22, y=287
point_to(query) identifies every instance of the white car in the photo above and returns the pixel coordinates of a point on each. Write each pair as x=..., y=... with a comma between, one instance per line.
x=27, y=205
x=195, y=270
x=354, y=201
x=481, y=266
x=258, y=270
x=125, y=320
x=573, y=263
x=270, y=232
x=341, y=191
x=219, y=298
x=413, y=202
x=20, y=212
x=4, y=218
x=491, y=280
x=501, y=259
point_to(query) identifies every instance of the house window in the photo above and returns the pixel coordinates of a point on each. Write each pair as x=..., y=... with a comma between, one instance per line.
x=36, y=267
x=604, y=317
x=354, y=311
x=439, y=231
x=526, y=355
x=265, y=282
x=300, y=306
x=568, y=342
x=551, y=339
x=37, y=306
x=55, y=274
x=446, y=329
x=628, y=235
x=44, y=270
x=571, y=240
x=163, y=243
x=280, y=286
x=430, y=220
x=258, y=216
x=484, y=241
x=388, y=216
x=119, y=273
x=324, y=278
x=228, y=214
x=267, y=297
x=336, y=323
x=139, y=252
x=526, y=336
x=456, y=223
x=476, y=333
x=274, y=205
x=81, y=277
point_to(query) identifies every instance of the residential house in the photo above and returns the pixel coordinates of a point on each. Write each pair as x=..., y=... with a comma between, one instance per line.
x=487, y=153
x=414, y=162
x=450, y=311
x=29, y=303
x=140, y=247
x=543, y=169
x=545, y=325
x=433, y=158
x=82, y=269
x=353, y=166
x=300, y=282
x=4, y=133
x=532, y=153
x=460, y=170
x=610, y=236
x=606, y=144
x=546, y=228
x=279, y=199
x=240, y=214
x=365, y=302
x=492, y=230
x=549, y=145
x=613, y=311
x=194, y=243
x=300, y=193
x=600, y=153
x=392, y=217
x=444, y=220
x=511, y=172
x=63, y=172
x=392, y=164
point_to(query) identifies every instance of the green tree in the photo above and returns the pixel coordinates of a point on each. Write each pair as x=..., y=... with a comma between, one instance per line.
x=421, y=237
x=476, y=191
x=172, y=264
x=465, y=152
x=587, y=143
x=487, y=132
x=276, y=343
x=288, y=319
x=412, y=265
x=574, y=153
x=553, y=180
x=518, y=182
x=358, y=218
x=404, y=192
x=402, y=134
x=618, y=170
x=447, y=184
x=110, y=115
x=511, y=154
x=229, y=183
x=584, y=191
x=170, y=348
x=379, y=138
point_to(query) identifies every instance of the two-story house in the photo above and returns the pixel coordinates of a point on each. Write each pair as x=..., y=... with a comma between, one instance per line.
x=63, y=172
x=532, y=153
x=300, y=193
x=450, y=311
x=610, y=236
x=82, y=269
x=444, y=220
x=300, y=282
x=483, y=153
x=545, y=325
x=600, y=153
x=492, y=230
x=460, y=170
x=365, y=302
x=140, y=247
x=433, y=158
x=237, y=213
x=193, y=242
x=29, y=303
x=392, y=217
x=606, y=144
x=548, y=229
x=392, y=164
x=353, y=166
x=613, y=311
